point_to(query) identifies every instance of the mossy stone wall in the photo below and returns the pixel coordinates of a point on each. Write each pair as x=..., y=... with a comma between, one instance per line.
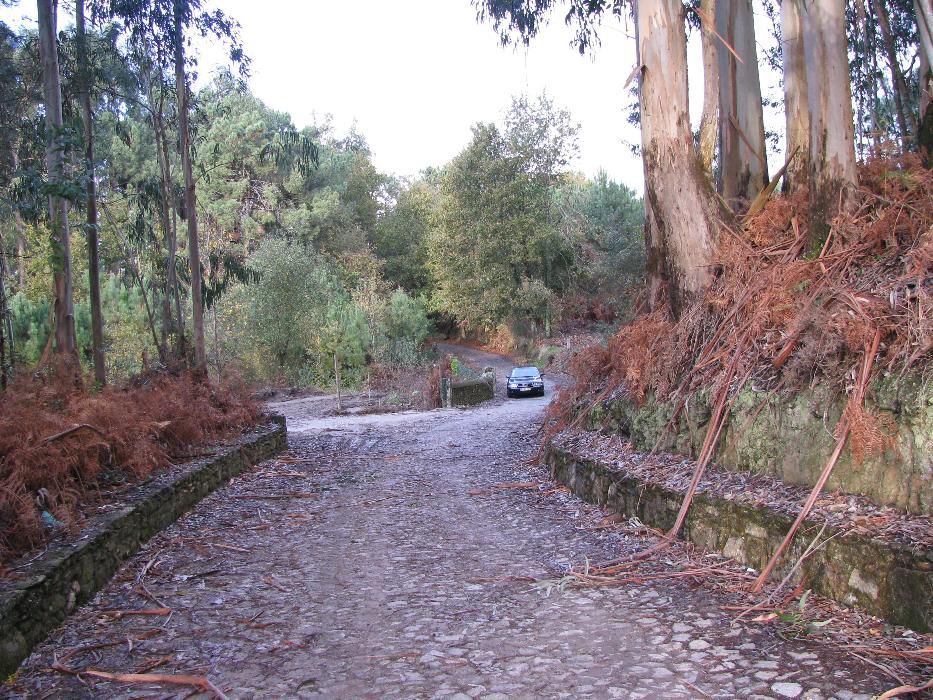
x=69, y=573
x=791, y=438
x=891, y=581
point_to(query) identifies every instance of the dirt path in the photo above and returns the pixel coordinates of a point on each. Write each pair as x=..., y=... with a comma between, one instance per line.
x=381, y=560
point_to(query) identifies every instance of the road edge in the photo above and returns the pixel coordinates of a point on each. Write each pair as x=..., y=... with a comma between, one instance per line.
x=70, y=573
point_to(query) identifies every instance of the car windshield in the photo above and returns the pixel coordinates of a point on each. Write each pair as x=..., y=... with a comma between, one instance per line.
x=526, y=373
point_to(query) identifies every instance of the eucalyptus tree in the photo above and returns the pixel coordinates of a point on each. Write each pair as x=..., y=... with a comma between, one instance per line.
x=923, y=10
x=166, y=25
x=85, y=81
x=6, y=325
x=743, y=161
x=56, y=143
x=683, y=212
x=832, y=162
x=796, y=114
x=905, y=119
x=709, y=121
x=181, y=18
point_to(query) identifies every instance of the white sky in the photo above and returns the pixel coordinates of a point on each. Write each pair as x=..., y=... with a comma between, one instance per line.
x=416, y=74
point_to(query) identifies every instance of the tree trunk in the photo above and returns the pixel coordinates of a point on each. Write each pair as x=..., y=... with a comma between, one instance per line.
x=709, y=123
x=683, y=211
x=833, y=174
x=797, y=118
x=191, y=213
x=93, y=263
x=743, y=158
x=65, y=342
x=172, y=325
x=6, y=331
x=924, y=12
x=901, y=99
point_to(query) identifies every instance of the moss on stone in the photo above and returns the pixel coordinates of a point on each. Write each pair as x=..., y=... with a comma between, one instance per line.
x=790, y=437
x=891, y=581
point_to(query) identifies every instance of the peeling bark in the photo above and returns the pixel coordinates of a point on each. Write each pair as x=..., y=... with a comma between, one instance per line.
x=829, y=98
x=743, y=159
x=709, y=123
x=684, y=212
x=797, y=118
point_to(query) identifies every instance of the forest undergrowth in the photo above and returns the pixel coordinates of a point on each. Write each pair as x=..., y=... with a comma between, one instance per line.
x=786, y=315
x=63, y=447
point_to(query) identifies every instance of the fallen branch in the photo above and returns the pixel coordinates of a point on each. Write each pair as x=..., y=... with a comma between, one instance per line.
x=90, y=647
x=843, y=429
x=275, y=497
x=502, y=579
x=713, y=431
x=73, y=429
x=759, y=203
x=231, y=547
x=202, y=683
x=157, y=612
x=904, y=689
x=924, y=656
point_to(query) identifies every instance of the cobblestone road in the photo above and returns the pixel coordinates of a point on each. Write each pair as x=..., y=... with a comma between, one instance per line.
x=381, y=560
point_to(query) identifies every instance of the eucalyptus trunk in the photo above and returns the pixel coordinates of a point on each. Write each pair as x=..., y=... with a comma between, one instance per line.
x=683, y=211
x=191, y=214
x=172, y=319
x=709, y=122
x=833, y=173
x=743, y=158
x=905, y=122
x=93, y=262
x=65, y=342
x=796, y=114
x=6, y=327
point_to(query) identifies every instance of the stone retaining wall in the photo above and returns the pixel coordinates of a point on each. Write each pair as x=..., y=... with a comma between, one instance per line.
x=69, y=573
x=891, y=581
x=791, y=438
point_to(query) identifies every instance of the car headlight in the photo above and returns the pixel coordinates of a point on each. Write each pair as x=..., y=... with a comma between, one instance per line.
x=513, y=385
x=537, y=382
